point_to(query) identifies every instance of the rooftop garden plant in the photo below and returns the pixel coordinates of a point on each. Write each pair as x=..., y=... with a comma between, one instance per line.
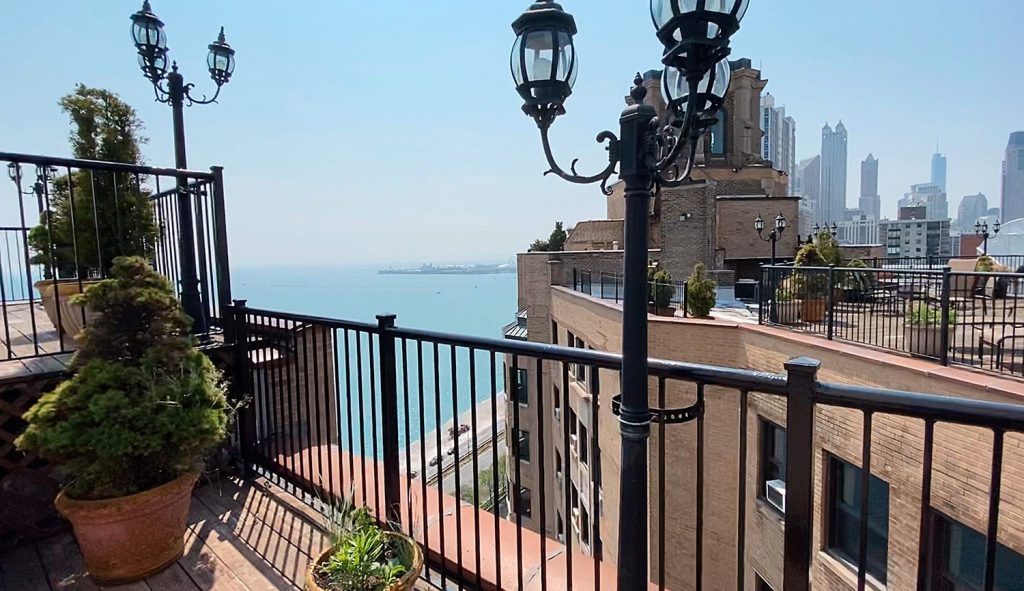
x=660, y=288
x=923, y=315
x=700, y=292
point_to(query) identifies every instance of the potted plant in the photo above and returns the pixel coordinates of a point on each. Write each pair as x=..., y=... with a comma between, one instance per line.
x=362, y=556
x=700, y=292
x=787, y=305
x=811, y=284
x=91, y=218
x=924, y=330
x=660, y=293
x=853, y=284
x=130, y=429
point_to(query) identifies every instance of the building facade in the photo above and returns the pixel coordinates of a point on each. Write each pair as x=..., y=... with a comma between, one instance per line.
x=833, y=174
x=1013, y=178
x=778, y=145
x=808, y=188
x=929, y=195
x=915, y=234
x=972, y=208
x=860, y=231
x=870, y=202
x=939, y=164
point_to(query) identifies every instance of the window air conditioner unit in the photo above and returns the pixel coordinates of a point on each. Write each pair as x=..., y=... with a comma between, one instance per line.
x=775, y=492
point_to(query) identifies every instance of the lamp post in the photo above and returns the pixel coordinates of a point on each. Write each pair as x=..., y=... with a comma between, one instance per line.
x=831, y=231
x=695, y=35
x=774, y=235
x=981, y=229
x=151, y=44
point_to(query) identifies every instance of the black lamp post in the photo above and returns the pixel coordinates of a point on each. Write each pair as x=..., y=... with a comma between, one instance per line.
x=831, y=231
x=695, y=35
x=774, y=235
x=151, y=43
x=981, y=229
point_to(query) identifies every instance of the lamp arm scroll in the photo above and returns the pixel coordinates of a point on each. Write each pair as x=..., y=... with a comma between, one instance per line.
x=574, y=177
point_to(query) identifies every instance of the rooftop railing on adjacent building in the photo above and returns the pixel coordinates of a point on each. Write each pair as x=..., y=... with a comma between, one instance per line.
x=609, y=286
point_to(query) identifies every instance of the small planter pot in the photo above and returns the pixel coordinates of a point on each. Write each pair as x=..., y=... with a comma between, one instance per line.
x=788, y=312
x=669, y=310
x=59, y=295
x=925, y=341
x=813, y=310
x=130, y=538
x=406, y=583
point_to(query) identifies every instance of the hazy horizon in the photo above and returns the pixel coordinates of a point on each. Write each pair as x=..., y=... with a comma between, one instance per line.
x=365, y=132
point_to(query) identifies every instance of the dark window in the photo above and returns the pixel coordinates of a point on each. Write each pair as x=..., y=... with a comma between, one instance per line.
x=760, y=584
x=584, y=445
x=584, y=526
x=718, y=134
x=773, y=456
x=960, y=560
x=581, y=370
x=523, y=445
x=558, y=464
x=558, y=401
x=561, y=527
x=844, y=517
x=525, y=507
x=554, y=332
x=521, y=383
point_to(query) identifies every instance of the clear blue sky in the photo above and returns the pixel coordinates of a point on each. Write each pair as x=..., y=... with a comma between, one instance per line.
x=390, y=131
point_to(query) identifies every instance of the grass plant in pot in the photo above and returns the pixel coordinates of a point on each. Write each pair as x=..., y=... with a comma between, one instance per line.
x=924, y=330
x=661, y=291
x=812, y=284
x=700, y=292
x=91, y=217
x=130, y=429
x=362, y=556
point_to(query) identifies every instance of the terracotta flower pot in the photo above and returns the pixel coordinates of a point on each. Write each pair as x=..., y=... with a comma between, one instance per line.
x=406, y=583
x=70, y=314
x=788, y=311
x=130, y=538
x=813, y=310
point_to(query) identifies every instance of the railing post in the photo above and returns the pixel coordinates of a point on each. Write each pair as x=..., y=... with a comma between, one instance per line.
x=802, y=379
x=574, y=279
x=389, y=418
x=831, y=299
x=944, y=332
x=241, y=392
x=222, y=267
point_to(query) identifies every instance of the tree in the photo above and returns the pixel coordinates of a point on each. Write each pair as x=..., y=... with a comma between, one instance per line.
x=490, y=481
x=554, y=243
x=92, y=216
x=700, y=292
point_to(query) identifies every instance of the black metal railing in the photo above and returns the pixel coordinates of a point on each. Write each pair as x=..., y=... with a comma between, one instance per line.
x=610, y=286
x=966, y=318
x=1012, y=262
x=67, y=219
x=374, y=412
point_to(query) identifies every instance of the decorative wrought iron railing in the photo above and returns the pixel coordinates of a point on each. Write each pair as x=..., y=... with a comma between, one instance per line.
x=610, y=286
x=66, y=219
x=339, y=408
x=966, y=318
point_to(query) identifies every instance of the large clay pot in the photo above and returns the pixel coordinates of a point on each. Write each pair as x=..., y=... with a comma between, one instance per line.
x=813, y=310
x=70, y=314
x=924, y=340
x=130, y=538
x=788, y=312
x=406, y=583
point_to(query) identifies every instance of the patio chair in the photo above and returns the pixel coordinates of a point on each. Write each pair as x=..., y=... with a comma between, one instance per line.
x=1005, y=343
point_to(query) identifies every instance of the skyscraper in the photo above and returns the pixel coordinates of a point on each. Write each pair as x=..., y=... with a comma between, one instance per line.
x=939, y=170
x=929, y=195
x=807, y=186
x=870, y=202
x=972, y=207
x=778, y=144
x=1013, y=178
x=832, y=205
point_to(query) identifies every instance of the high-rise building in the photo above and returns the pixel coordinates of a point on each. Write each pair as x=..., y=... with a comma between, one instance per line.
x=914, y=234
x=972, y=208
x=939, y=171
x=1013, y=178
x=778, y=145
x=929, y=195
x=833, y=174
x=807, y=186
x=870, y=202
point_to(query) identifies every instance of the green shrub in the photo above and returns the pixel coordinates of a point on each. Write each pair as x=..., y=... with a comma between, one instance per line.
x=809, y=256
x=925, y=315
x=144, y=406
x=828, y=248
x=985, y=264
x=660, y=289
x=700, y=292
x=363, y=556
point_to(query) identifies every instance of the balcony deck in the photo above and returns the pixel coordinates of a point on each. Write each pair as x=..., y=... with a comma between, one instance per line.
x=17, y=337
x=241, y=535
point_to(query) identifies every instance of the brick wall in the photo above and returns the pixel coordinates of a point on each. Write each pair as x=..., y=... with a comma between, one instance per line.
x=736, y=234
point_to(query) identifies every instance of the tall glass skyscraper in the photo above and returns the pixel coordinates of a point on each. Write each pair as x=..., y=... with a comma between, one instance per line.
x=939, y=171
x=833, y=175
x=1013, y=178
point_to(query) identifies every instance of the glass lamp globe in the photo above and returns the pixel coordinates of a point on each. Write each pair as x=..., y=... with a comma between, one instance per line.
x=543, y=61
x=711, y=89
x=221, y=60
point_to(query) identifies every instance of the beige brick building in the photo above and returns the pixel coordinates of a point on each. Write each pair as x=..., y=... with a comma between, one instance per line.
x=962, y=456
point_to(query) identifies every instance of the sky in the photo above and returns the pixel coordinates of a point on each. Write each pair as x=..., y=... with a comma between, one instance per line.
x=382, y=132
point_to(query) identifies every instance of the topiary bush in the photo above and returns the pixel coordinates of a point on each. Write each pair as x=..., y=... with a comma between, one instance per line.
x=700, y=292
x=810, y=284
x=660, y=288
x=144, y=406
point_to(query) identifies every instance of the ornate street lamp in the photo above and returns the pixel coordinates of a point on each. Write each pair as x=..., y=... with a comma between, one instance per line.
x=774, y=235
x=646, y=155
x=981, y=229
x=151, y=44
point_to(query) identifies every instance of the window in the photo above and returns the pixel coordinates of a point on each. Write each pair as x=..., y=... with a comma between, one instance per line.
x=554, y=332
x=959, y=560
x=558, y=465
x=581, y=370
x=844, y=517
x=573, y=439
x=523, y=445
x=584, y=445
x=718, y=134
x=558, y=401
x=521, y=383
x=525, y=508
x=561, y=527
x=773, y=464
x=584, y=526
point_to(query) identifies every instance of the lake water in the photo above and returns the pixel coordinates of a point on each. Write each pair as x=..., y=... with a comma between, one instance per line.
x=476, y=305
